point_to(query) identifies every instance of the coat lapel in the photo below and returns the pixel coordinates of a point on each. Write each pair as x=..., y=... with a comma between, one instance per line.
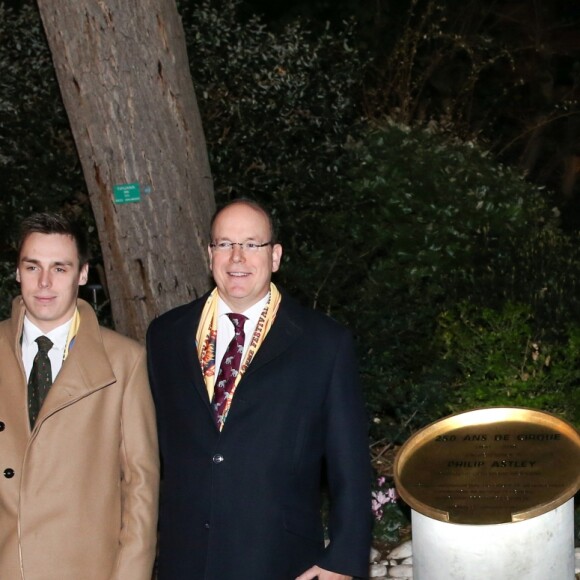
x=284, y=332
x=85, y=370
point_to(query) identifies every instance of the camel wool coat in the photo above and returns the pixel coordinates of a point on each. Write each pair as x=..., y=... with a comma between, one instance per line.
x=78, y=494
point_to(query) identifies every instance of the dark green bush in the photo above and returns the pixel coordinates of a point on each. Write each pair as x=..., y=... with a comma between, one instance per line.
x=390, y=230
x=384, y=229
x=422, y=224
x=503, y=359
x=39, y=167
x=277, y=106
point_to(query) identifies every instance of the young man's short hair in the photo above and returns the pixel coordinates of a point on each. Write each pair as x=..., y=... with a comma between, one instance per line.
x=54, y=223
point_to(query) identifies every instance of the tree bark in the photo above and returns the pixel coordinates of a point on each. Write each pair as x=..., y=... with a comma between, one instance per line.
x=124, y=76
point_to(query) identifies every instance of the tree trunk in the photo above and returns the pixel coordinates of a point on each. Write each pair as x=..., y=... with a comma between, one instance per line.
x=124, y=76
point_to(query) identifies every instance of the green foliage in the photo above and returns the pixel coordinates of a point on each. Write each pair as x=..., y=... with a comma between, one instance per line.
x=502, y=361
x=455, y=224
x=423, y=223
x=39, y=168
x=389, y=529
x=390, y=516
x=406, y=235
x=8, y=287
x=383, y=229
x=34, y=128
x=277, y=106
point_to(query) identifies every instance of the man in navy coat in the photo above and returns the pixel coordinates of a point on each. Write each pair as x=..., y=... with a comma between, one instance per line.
x=246, y=460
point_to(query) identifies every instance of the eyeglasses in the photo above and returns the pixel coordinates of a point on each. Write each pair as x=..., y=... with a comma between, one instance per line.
x=245, y=246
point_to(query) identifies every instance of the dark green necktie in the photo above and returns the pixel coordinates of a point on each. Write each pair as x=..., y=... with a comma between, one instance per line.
x=40, y=378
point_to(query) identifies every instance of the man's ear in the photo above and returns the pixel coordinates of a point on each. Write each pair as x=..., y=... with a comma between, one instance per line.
x=276, y=257
x=84, y=274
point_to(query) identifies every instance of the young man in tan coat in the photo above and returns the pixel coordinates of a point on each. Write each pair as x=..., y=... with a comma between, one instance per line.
x=78, y=455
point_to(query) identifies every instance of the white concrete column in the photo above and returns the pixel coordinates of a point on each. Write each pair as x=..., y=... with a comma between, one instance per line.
x=541, y=548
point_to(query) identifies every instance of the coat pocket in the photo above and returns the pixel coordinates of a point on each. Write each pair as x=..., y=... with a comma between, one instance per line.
x=305, y=523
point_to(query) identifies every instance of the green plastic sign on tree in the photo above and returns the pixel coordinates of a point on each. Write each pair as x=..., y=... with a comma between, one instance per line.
x=127, y=193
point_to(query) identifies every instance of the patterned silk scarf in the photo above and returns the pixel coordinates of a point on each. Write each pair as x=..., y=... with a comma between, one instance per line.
x=207, y=332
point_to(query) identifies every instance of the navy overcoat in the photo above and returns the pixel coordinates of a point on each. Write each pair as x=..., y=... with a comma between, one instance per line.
x=245, y=504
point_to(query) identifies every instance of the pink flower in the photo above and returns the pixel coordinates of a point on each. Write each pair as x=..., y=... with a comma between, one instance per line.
x=381, y=498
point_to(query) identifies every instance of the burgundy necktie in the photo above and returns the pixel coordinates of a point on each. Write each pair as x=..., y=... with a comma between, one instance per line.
x=229, y=369
x=40, y=378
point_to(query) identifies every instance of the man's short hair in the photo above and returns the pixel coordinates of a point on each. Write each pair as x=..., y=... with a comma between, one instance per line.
x=54, y=223
x=254, y=205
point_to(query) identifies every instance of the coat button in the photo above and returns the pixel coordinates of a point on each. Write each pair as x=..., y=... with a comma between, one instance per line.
x=206, y=525
x=2, y=426
x=8, y=473
x=218, y=458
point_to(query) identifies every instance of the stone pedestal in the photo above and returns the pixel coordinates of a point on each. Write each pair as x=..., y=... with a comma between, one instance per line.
x=541, y=548
x=492, y=493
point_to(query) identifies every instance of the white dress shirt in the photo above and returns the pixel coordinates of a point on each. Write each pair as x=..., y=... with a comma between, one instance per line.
x=58, y=336
x=226, y=331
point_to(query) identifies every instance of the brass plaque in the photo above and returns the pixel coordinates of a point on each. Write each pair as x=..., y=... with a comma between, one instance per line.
x=490, y=466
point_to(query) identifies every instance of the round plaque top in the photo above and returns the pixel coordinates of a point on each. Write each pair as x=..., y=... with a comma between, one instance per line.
x=490, y=466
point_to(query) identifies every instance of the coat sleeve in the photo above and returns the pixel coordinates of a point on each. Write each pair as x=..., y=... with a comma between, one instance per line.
x=139, y=479
x=348, y=468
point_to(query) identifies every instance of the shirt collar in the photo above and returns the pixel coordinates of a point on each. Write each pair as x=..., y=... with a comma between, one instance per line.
x=252, y=313
x=57, y=335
